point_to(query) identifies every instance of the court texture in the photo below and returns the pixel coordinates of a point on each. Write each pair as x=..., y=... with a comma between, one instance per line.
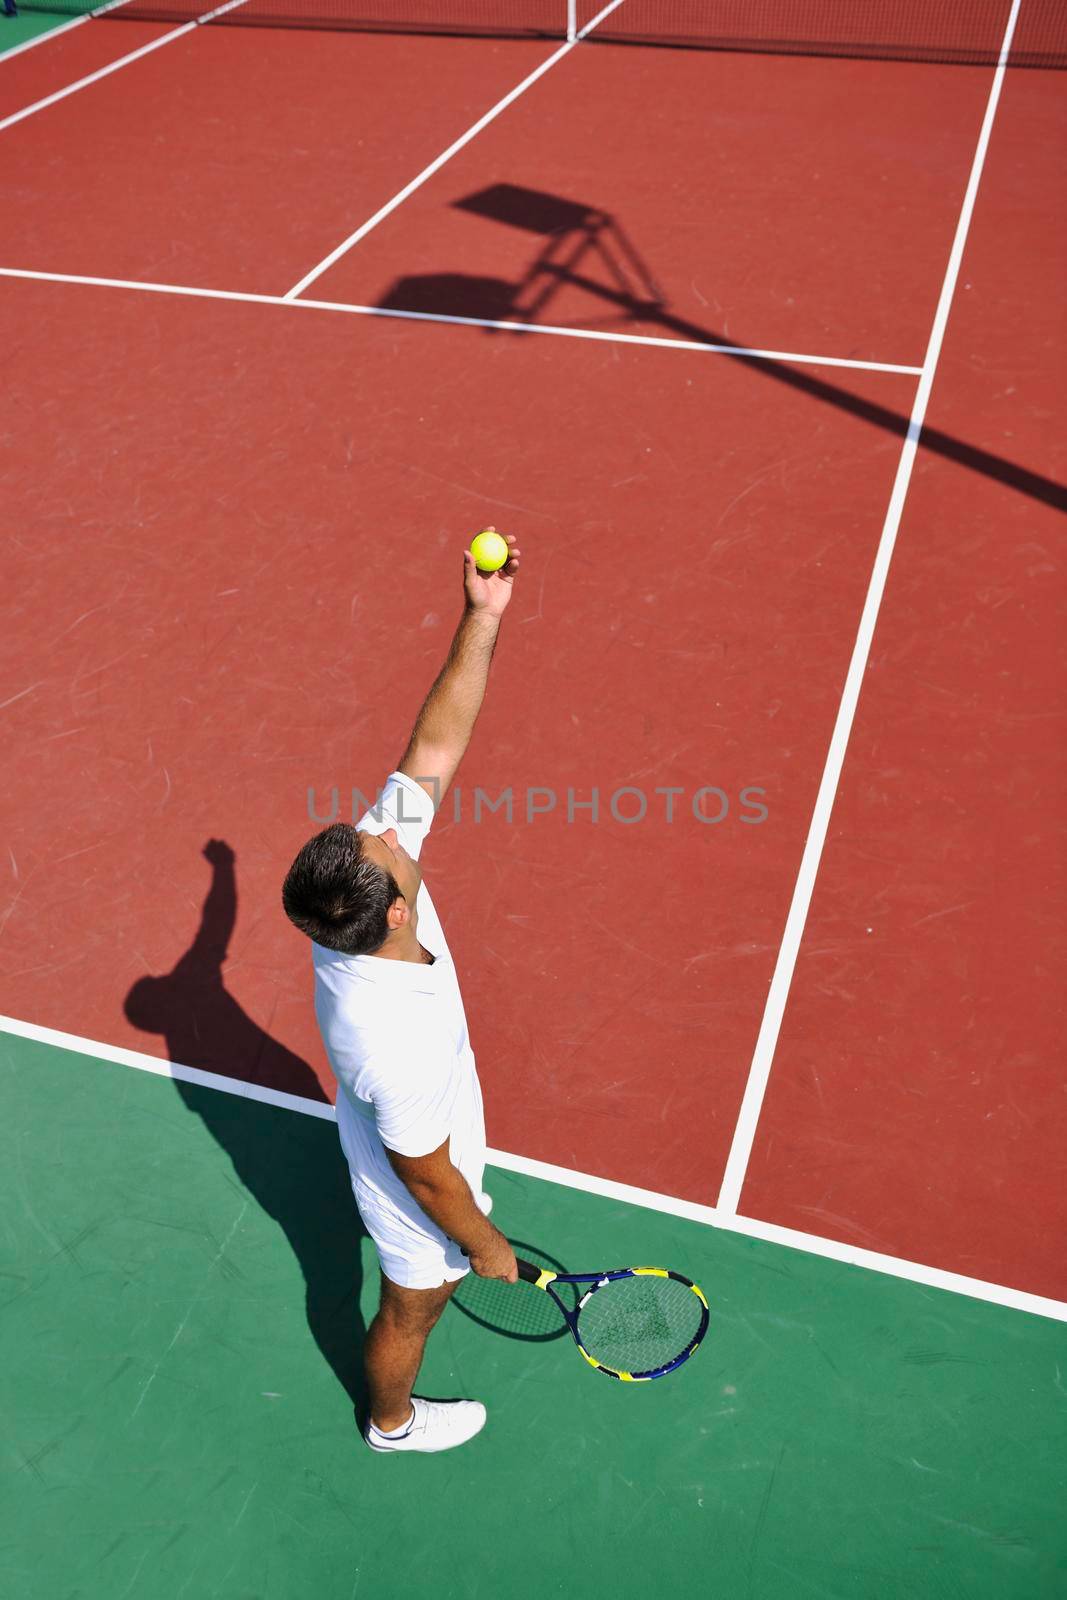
x=747, y=321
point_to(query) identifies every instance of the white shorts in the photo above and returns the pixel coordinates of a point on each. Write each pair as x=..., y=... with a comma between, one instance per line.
x=410, y=1256
x=413, y=1251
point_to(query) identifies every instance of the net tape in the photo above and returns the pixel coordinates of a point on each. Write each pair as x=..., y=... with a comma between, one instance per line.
x=960, y=31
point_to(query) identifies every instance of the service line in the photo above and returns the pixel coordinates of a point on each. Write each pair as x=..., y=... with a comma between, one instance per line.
x=793, y=357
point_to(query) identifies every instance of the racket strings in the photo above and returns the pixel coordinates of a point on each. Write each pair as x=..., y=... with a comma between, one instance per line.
x=640, y=1324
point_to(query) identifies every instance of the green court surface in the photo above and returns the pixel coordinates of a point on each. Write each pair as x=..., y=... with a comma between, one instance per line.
x=27, y=25
x=184, y=1284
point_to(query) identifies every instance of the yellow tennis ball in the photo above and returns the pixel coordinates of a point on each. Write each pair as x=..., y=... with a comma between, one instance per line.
x=489, y=550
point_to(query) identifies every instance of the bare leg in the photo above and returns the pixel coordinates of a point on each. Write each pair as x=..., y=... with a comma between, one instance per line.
x=392, y=1353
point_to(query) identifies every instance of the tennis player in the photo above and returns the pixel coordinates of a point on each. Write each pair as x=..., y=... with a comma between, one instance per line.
x=409, y=1105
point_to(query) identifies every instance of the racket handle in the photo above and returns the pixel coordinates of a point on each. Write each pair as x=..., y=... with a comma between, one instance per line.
x=527, y=1271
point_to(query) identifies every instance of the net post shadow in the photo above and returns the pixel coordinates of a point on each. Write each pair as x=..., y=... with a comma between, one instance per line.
x=575, y=235
x=291, y=1165
x=459, y=294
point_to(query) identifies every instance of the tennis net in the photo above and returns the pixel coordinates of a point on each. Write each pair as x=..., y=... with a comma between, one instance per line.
x=963, y=31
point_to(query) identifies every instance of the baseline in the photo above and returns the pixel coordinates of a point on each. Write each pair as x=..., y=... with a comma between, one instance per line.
x=588, y=1183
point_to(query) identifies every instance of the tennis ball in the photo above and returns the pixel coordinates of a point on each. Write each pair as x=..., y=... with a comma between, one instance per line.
x=489, y=550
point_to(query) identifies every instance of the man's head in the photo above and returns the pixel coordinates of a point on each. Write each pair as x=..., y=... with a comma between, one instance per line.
x=351, y=891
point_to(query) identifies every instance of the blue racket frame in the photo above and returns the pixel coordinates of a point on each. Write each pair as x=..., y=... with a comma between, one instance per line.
x=543, y=1278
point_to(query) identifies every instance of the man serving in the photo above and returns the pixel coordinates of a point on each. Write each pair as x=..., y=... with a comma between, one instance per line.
x=409, y=1105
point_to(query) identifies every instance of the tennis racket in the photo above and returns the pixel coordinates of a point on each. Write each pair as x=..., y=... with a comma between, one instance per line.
x=634, y=1324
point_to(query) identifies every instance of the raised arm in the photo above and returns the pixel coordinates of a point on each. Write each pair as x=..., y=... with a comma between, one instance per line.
x=444, y=725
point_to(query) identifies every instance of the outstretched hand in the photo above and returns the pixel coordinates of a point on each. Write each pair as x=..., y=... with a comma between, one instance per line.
x=489, y=592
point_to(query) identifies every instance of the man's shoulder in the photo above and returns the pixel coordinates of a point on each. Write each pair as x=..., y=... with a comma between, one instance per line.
x=377, y=1011
x=401, y=803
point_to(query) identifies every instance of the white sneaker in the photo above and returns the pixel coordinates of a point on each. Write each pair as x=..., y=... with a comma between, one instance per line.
x=436, y=1425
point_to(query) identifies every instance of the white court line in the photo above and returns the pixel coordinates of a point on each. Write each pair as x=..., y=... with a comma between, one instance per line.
x=50, y=33
x=94, y=77
x=778, y=995
x=794, y=357
x=587, y=1183
x=63, y=27
x=435, y=166
x=113, y=66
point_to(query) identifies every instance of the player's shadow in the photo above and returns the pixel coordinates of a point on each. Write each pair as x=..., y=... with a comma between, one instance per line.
x=516, y=1310
x=587, y=249
x=290, y=1164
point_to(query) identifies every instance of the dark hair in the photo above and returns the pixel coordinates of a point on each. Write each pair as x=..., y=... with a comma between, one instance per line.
x=338, y=897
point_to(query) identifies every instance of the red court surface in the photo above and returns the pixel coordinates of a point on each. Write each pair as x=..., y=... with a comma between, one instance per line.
x=213, y=164
x=216, y=641
x=66, y=57
x=915, y=1104
x=236, y=568
x=724, y=175
x=761, y=235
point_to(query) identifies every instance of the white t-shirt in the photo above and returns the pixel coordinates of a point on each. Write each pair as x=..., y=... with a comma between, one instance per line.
x=396, y=1036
